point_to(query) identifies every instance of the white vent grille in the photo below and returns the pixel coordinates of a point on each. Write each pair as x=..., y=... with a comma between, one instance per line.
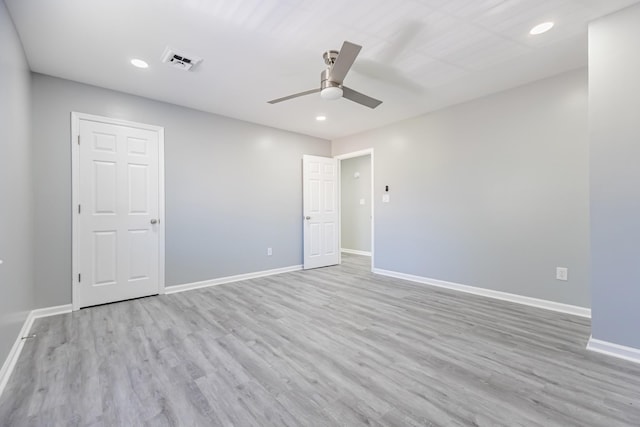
x=180, y=60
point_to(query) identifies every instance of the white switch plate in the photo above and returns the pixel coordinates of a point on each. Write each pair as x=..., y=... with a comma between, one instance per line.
x=562, y=273
x=385, y=198
x=362, y=201
x=269, y=252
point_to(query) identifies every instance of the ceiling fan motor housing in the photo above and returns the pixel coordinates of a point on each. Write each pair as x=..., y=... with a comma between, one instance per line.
x=329, y=89
x=325, y=80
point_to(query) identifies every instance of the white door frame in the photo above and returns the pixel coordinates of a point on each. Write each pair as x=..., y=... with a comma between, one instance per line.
x=75, y=194
x=365, y=152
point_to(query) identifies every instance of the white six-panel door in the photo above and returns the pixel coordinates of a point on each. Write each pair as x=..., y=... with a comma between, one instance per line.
x=320, y=210
x=118, y=215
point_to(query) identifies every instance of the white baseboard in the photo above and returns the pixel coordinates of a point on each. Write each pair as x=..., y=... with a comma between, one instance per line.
x=14, y=353
x=355, y=252
x=52, y=311
x=229, y=279
x=16, y=349
x=505, y=296
x=616, y=350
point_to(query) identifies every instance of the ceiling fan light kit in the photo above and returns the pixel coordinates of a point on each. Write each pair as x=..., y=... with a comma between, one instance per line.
x=331, y=92
x=338, y=65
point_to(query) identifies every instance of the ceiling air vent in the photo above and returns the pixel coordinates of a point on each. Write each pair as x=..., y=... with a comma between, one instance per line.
x=183, y=61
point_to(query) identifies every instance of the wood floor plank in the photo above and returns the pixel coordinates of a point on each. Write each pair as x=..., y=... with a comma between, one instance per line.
x=327, y=347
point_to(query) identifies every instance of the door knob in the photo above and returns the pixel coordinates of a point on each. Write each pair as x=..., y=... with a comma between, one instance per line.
x=154, y=221
x=307, y=217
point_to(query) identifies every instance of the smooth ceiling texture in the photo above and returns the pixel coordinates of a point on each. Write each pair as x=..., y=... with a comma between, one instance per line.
x=417, y=56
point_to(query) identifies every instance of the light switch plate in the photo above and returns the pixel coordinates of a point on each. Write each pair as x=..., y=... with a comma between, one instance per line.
x=362, y=201
x=562, y=273
x=385, y=198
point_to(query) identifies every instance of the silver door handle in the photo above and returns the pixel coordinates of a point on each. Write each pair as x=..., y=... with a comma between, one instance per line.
x=307, y=218
x=155, y=221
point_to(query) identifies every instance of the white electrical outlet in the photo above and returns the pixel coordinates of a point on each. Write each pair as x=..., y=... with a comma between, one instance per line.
x=269, y=252
x=562, y=273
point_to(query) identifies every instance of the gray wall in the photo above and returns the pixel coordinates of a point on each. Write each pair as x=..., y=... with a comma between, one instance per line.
x=232, y=188
x=614, y=120
x=355, y=218
x=492, y=193
x=16, y=189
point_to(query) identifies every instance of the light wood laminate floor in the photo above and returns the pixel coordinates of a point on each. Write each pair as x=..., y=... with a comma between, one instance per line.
x=336, y=346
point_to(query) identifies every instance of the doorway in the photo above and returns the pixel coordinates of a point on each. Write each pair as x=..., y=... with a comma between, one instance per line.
x=357, y=204
x=118, y=210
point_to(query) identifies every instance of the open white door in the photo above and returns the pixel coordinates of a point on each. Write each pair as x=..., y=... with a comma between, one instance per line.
x=320, y=210
x=117, y=230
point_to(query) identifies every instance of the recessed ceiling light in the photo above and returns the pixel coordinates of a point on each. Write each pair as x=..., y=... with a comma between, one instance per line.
x=541, y=28
x=321, y=118
x=139, y=63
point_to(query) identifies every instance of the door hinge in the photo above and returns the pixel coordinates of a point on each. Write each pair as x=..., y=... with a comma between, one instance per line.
x=78, y=277
x=78, y=139
x=78, y=208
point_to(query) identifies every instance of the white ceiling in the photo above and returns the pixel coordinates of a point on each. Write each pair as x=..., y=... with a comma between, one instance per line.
x=417, y=56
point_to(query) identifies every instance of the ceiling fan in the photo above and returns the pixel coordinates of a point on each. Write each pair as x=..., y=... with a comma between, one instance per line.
x=339, y=63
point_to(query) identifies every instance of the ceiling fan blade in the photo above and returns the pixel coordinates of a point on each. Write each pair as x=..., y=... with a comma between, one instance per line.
x=286, y=98
x=360, y=98
x=344, y=61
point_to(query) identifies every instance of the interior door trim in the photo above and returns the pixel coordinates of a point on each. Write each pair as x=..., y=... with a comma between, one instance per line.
x=75, y=195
